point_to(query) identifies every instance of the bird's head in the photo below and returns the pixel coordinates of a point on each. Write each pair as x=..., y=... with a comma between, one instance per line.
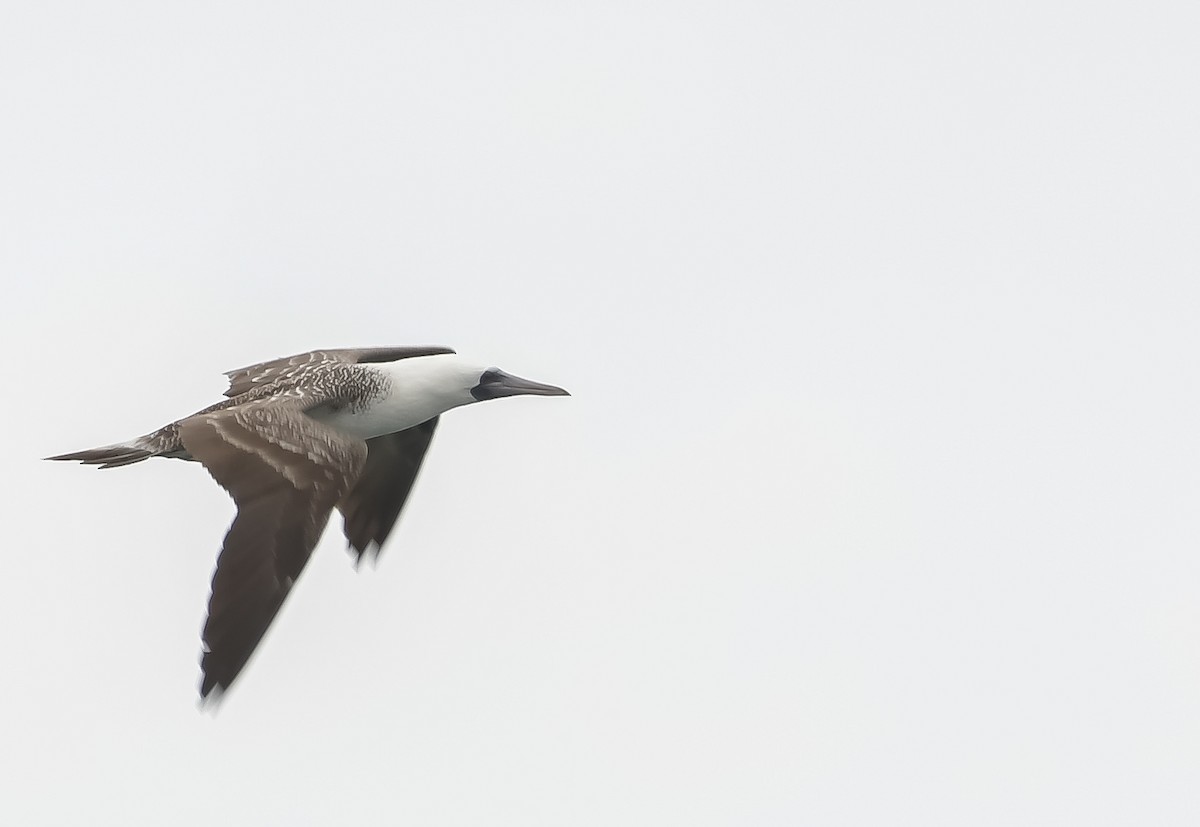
x=426, y=386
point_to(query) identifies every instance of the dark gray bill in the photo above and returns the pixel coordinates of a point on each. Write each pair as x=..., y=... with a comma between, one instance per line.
x=495, y=383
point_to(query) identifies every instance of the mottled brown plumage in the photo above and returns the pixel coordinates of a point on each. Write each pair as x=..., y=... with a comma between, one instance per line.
x=295, y=438
x=295, y=368
x=286, y=472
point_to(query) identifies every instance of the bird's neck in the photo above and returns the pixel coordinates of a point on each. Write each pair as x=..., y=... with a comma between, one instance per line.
x=414, y=390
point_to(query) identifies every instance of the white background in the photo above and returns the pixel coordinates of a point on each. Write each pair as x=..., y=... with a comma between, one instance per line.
x=876, y=500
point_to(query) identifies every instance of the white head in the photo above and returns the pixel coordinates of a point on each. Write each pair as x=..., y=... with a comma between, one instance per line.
x=426, y=386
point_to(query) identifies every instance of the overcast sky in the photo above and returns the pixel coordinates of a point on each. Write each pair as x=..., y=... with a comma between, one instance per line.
x=876, y=499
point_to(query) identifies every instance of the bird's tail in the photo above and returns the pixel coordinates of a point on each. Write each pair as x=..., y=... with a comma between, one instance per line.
x=112, y=456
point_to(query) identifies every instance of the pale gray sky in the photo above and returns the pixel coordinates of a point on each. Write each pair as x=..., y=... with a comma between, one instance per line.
x=876, y=500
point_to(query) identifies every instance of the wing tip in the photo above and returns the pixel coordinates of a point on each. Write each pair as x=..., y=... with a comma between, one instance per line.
x=109, y=456
x=211, y=695
x=368, y=551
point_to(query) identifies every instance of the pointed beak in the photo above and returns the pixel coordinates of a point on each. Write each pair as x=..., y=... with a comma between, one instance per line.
x=498, y=384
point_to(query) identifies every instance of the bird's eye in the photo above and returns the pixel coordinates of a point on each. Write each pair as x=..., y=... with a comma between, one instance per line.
x=490, y=376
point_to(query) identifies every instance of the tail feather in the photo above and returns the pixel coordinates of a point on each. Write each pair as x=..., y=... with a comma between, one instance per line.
x=108, y=456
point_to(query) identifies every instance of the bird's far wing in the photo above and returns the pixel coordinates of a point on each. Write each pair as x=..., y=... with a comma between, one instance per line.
x=285, y=471
x=264, y=373
x=374, y=503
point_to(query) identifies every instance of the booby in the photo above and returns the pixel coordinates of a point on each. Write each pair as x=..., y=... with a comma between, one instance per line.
x=296, y=438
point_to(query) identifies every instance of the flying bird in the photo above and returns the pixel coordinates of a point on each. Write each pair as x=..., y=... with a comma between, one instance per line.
x=296, y=438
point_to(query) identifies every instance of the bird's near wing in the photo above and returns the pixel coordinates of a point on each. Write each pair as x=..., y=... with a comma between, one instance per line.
x=371, y=507
x=264, y=373
x=286, y=472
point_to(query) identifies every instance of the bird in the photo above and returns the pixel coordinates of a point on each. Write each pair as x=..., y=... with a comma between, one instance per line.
x=295, y=438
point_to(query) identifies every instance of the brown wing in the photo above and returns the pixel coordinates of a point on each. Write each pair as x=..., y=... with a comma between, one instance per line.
x=264, y=373
x=285, y=471
x=374, y=503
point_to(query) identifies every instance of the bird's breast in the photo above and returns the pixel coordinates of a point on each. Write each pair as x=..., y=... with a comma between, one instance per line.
x=384, y=415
